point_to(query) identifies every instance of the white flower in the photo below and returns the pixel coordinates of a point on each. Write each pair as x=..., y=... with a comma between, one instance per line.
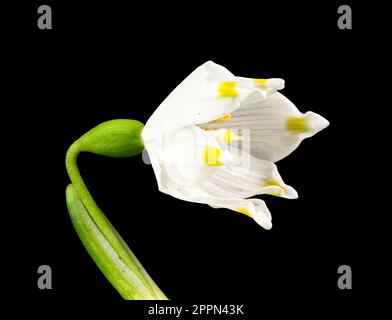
x=216, y=137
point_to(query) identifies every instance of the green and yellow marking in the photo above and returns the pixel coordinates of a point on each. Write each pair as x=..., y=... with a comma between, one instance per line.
x=297, y=124
x=260, y=81
x=227, y=89
x=229, y=136
x=212, y=156
x=225, y=118
x=244, y=211
x=274, y=183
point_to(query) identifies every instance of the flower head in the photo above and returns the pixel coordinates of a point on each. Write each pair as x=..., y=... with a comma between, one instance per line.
x=216, y=137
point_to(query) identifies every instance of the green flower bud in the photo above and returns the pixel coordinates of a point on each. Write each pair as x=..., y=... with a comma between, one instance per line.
x=115, y=138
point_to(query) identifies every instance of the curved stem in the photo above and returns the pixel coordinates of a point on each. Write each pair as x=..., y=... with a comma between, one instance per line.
x=151, y=290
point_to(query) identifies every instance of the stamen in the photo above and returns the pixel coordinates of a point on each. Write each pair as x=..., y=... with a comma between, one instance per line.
x=274, y=183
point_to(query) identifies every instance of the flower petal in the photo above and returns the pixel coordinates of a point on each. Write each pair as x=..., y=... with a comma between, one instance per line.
x=265, y=87
x=271, y=128
x=225, y=186
x=188, y=155
x=247, y=177
x=208, y=93
x=254, y=208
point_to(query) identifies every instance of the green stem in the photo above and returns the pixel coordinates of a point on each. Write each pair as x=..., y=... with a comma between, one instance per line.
x=148, y=289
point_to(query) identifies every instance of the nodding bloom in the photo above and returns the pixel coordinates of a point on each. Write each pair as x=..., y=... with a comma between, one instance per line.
x=215, y=139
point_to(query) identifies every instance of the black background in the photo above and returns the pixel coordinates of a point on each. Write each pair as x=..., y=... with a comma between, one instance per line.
x=111, y=60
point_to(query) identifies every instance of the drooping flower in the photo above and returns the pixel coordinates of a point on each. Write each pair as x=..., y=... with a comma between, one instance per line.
x=215, y=139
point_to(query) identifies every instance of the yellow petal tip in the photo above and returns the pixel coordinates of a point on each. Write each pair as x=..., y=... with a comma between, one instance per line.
x=297, y=124
x=244, y=211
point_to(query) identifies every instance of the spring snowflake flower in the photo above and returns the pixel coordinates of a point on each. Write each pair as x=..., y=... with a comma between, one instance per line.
x=215, y=139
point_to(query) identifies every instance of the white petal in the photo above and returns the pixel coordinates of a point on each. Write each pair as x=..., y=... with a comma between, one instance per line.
x=208, y=93
x=254, y=208
x=151, y=150
x=195, y=100
x=271, y=128
x=225, y=186
x=247, y=177
x=265, y=87
x=188, y=155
